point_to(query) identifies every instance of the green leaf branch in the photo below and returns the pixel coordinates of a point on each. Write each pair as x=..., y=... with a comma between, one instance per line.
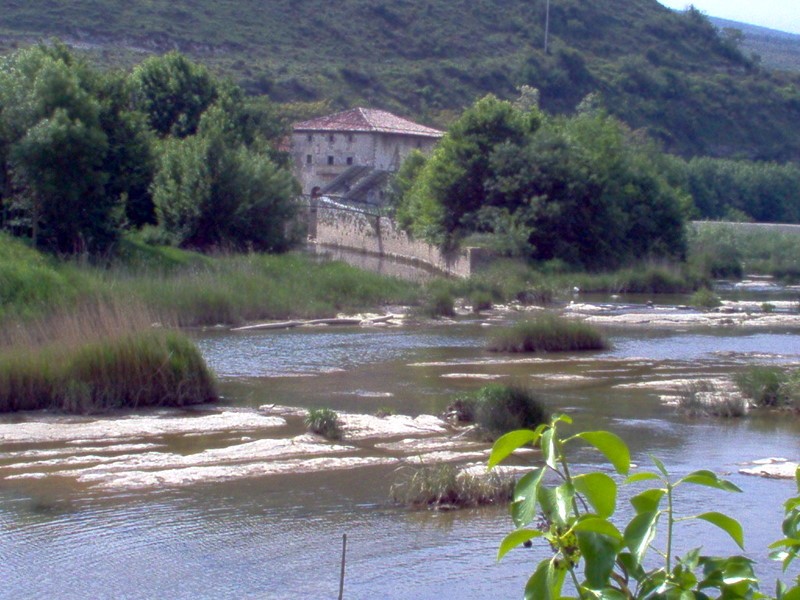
x=573, y=512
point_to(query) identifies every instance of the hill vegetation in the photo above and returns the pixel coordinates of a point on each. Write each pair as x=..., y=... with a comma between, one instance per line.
x=773, y=49
x=668, y=73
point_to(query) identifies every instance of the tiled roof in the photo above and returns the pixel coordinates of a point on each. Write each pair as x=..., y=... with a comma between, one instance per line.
x=367, y=120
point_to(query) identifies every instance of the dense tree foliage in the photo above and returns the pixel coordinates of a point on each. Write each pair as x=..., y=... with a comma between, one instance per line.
x=739, y=190
x=173, y=92
x=212, y=191
x=59, y=166
x=82, y=154
x=582, y=190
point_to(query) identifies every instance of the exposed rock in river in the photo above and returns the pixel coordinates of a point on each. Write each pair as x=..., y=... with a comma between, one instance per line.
x=773, y=468
x=101, y=452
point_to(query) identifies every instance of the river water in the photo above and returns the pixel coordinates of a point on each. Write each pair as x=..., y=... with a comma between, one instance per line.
x=280, y=536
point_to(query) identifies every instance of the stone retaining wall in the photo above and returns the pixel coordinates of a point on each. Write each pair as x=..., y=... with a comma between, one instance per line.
x=379, y=236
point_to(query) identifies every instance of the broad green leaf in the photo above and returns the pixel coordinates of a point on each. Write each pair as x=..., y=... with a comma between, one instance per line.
x=549, y=450
x=610, y=594
x=659, y=465
x=640, y=533
x=709, y=479
x=643, y=476
x=596, y=525
x=556, y=502
x=561, y=419
x=633, y=569
x=648, y=500
x=599, y=490
x=792, y=594
x=791, y=524
x=515, y=538
x=599, y=553
x=691, y=559
x=611, y=446
x=509, y=442
x=526, y=493
x=545, y=583
x=734, y=572
x=728, y=524
x=786, y=542
x=797, y=478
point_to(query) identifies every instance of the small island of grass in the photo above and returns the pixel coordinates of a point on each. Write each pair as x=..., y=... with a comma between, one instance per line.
x=547, y=333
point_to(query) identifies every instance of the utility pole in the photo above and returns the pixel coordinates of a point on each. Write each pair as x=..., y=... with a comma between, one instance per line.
x=546, y=26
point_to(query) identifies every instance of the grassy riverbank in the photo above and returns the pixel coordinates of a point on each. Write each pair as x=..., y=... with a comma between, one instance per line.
x=731, y=250
x=97, y=358
x=190, y=289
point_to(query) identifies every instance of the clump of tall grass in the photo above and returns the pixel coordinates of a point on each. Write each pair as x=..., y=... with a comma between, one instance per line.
x=239, y=288
x=547, y=333
x=703, y=399
x=324, y=422
x=480, y=300
x=722, y=249
x=497, y=409
x=770, y=386
x=705, y=298
x=98, y=358
x=646, y=278
x=438, y=300
x=443, y=486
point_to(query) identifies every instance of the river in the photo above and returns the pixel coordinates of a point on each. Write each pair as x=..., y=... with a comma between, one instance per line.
x=279, y=536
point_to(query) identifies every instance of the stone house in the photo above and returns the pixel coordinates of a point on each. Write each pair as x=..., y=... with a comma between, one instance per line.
x=351, y=154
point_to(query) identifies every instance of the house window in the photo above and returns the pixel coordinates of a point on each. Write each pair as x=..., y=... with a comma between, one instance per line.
x=350, y=137
x=310, y=137
x=330, y=160
x=308, y=159
x=331, y=138
x=419, y=144
x=349, y=160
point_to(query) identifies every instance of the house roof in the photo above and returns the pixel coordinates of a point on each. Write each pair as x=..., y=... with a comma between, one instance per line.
x=367, y=120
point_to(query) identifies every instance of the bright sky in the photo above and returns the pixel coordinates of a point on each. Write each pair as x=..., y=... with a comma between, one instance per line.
x=783, y=15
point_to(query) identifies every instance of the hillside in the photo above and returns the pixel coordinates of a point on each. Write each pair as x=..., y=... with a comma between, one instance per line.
x=666, y=72
x=775, y=49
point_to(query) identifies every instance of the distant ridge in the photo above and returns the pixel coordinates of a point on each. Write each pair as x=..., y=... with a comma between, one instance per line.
x=664, y=72
x=776, y=49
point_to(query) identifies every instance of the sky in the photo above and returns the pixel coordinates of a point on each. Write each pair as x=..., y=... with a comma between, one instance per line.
x=783, y=15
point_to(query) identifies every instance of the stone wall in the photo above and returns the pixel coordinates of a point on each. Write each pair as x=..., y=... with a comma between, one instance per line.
x=379, y=236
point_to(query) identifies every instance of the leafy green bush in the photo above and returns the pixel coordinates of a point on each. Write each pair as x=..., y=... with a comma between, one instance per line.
x=324, y=422
x=703, y=400
x=705, y=298
x=765, y=385
x=152, y=368
x=499, y=409
x=547, y=333
x=444, y=486
x=573, y=514
x=438, y=302
x=480, y=300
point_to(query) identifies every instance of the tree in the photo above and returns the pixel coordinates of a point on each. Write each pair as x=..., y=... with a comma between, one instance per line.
x=451, y=186
x=173, y=92
x=584, y=190
x=55, y=149
x=212, y=191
